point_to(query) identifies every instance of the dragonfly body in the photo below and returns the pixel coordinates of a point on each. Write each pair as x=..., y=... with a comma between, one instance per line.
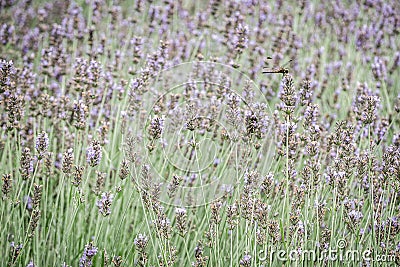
x=277, y=69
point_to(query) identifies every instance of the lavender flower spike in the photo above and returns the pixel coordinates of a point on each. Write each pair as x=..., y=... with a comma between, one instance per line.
x=104, y=204
x=94, y=154
x=88, y=253
x=42, y=143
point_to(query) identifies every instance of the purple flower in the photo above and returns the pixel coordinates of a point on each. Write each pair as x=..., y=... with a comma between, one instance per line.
x=28, y=203
x=88, y=253
x=379, y=69
x=12, y=245
x=94, y=154
x=241, y=38
x=7, y=72
x=156, y=128
x=245, y=261
x=6, y=32
x=300, y=226
x=42, y=143
x=355, y=216
x=104, y=204
x=141, y=241
x=30, y=264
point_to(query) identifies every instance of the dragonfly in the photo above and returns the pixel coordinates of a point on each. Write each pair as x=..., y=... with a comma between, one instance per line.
x=282, y=69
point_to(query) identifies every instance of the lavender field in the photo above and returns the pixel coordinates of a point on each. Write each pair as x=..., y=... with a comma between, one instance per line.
x=199, y=133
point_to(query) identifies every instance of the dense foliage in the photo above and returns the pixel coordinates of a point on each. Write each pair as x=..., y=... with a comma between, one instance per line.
x=145, y=133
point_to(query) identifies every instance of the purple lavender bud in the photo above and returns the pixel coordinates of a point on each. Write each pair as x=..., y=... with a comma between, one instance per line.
x=30, y=264
x=104, y=204
x=42, y=143
x=245, y=261
x=88, y=253
x=7, y=74
x=28, y=203
x=355, y=216
x=141, y=241
x=379, y=69
x=241, y=38
x=12, y=245
x=6, y=32
x=156, y=128
x=94, y=154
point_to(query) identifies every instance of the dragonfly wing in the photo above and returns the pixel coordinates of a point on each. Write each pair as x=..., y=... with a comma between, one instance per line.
x=269, y=70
